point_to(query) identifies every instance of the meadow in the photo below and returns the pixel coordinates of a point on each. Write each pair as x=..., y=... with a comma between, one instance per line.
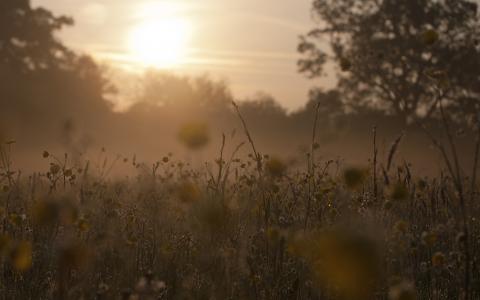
x=239, y=227
x=254, y=201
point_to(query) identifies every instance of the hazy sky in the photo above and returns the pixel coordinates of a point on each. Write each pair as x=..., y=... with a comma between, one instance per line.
x=250, y=43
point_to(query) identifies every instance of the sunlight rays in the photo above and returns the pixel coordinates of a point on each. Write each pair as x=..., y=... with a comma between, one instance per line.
x=161, y=37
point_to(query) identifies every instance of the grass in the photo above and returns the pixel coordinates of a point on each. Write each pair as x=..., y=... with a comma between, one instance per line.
x=240, y=228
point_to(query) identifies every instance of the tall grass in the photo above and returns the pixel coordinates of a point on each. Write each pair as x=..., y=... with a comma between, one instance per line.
x=253, y=228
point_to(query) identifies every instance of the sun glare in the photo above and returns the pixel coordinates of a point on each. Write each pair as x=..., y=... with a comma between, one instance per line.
x=160, y=40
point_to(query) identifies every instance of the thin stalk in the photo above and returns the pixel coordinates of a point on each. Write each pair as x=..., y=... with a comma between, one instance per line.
x=311, y=167
x=475, y=165
x=375, y=153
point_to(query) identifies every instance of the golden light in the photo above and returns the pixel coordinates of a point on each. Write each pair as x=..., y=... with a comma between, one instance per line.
x=161, y=39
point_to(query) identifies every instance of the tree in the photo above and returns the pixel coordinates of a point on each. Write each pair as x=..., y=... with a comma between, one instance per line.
x=43, y=84
x=184, y=93
x=394, y=54
x=27, y=37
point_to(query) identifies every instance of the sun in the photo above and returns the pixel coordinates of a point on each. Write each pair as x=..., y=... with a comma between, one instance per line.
x=160, y=43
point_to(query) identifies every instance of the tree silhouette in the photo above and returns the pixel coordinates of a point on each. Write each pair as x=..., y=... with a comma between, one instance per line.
x=160, y=88
x=395, y=53
x=43, y=84
x=27, y=37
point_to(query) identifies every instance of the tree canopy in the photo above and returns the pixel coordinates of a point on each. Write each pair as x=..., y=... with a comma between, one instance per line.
x=44, y=84
x=27, y=37
x=395, y=54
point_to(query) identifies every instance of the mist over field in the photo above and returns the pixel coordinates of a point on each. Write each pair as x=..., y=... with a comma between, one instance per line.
x=82, y=121
x=161, y=164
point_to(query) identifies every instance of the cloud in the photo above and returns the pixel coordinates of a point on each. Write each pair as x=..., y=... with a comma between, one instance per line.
x=94, y=13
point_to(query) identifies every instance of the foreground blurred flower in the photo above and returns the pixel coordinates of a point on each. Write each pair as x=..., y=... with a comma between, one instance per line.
x=438, y=259
x=194, y=135
x=429, y=238
x=211, y=216
x=54, y=169
x=342, y=259
x=73, y=255
x=345, y=64
x=275, y=167
x=354, y=177
x=401, y=226
x=46, y=212
x=51, y=211
x=399, y=192
x=188, y=192
x=5, y=242
x=21, y=256
x=402, y=291
x=430, y=37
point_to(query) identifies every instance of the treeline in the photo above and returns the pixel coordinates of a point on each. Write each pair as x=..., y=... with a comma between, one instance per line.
x=53, y=98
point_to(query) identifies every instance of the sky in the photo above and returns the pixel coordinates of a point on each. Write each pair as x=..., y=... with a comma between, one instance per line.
x=249, y=43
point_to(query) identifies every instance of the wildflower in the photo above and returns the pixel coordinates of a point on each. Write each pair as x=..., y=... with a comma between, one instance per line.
x=275, y=167
x=141, y=285
x=68, y=172
x=83, y=225
x=188, y=192
x=345, y=64
x=429, y=238
x=461, y=238
x=5, y=243
x=402, y=291
x=354, y=177
x=131, y=241
x=51, y=211
x=54, y=169
x=430, y=37
x=102, y=289
x=15, y=219
x=21, y=256
x=387, y=205
x=194, y=135
x=422, y=184
x=401, y=226
x=212, y=216
x=158, y=285
x=127, y=294
x=73, y=255
x=46, y=212
x=438, y=259
x=399, y=192
x=423, y=267
x=275, y=234
x=344, y=259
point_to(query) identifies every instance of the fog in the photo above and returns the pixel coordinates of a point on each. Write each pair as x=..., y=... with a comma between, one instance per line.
x=55, y=99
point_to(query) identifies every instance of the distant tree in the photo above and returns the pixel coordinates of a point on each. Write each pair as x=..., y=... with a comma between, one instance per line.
x=263, y=107
x=43, y=84
x=330, y=103
x=166, y=89
x=330, y=109
x=27, y=37
x=262, y=112
x=393, y=53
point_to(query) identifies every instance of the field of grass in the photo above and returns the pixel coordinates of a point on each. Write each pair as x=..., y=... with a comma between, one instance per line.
x=237, y=228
